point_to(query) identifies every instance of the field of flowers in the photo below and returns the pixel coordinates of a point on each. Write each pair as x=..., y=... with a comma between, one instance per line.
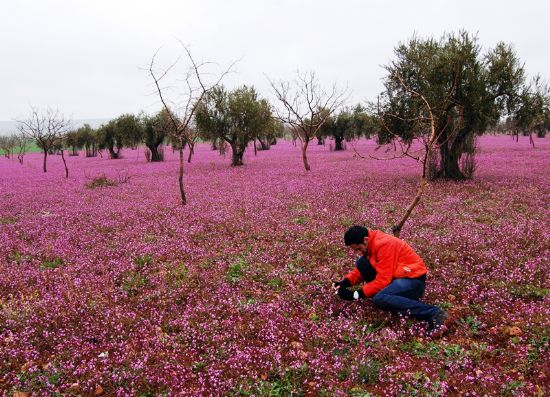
x=120, y=291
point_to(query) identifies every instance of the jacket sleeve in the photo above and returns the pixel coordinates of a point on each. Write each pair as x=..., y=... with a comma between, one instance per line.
x=384, y=268
x=354, y=276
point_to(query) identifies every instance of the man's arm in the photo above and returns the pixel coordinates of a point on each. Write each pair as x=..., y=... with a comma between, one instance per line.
x=384, y=268
x=341, y=287
x=354, y=276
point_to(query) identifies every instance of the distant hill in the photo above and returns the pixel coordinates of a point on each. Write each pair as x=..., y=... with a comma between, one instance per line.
x=10, y=127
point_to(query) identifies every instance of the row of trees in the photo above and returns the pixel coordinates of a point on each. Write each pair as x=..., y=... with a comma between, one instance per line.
x=14, y=145
x=440, y=93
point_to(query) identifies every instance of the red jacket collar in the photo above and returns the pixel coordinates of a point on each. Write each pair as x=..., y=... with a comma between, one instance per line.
x=372, y=235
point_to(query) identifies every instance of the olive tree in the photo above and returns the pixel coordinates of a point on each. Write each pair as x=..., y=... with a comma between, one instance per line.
x=7, y=145
x=273, y=129
x=532, y=114
x=236, y=117
x=156, y=129
x=442, y=94
x=73, y=141
x=89, y=139
x=451, y=83
x=347, y=125
x=124, y=131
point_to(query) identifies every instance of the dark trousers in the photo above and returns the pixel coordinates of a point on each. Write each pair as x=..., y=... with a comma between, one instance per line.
x=401, y=296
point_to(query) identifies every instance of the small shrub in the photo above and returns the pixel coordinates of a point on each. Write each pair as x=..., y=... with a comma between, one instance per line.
x=423, y=386
x=529, y=291
x=369, y=372
x=178, y=275
x=143, y=261
x=287, y=384
x=100, y=181
x=420, y=349
x=7, y=220
x=344, y=374
x=276, y=283
x=512, y=388
x=347, y=222
x=301, y=220
x=472, y=323
x=134, y=282
x=198, y=366
x=235, y=270
x=51, y=263
x=16, y=256
x=445, y=305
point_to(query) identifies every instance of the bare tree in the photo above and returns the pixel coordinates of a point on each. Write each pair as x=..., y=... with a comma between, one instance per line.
x=306, y=106
x=181, y=113
x=60, y=148
x=428, y=121
x=46, y=128
x=21, y=146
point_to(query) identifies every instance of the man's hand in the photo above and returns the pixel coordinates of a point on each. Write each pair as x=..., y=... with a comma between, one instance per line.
x=348, y=295
x=345, y=294
x=339, y=285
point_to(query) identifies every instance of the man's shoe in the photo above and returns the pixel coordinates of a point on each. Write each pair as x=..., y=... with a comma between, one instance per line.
x=436, y=325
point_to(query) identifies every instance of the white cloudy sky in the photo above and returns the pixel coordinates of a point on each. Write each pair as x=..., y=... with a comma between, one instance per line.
x=87, y=57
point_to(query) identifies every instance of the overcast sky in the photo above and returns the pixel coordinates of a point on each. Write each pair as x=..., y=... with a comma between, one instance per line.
x=87, y=58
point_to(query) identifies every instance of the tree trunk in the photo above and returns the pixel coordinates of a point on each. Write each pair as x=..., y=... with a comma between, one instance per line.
x=396, y=229
x=237, y=153
x=338, y=143
x=65, y=164
x=320, y=140
x=531, y=141
x=450, y=153
x=237, y=156
x=45, y=157
x=180, y=179
x=112, y=154
x=191, y=152
x=449, y=163
x=304, y=155
x=255, y=148
x=264, y=144
x=155, y=155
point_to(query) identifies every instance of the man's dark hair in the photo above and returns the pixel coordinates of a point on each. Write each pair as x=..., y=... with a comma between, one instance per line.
x=355, y=235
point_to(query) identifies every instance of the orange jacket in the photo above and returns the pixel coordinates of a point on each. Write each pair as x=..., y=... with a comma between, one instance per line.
x=391, y=258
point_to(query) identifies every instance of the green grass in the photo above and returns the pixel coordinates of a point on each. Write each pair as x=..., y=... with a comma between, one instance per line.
x=33, y=148
x=236, y=269
x=51, y=263
x=528, y=291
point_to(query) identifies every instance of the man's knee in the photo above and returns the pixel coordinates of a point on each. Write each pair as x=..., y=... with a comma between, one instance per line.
x=382, y=301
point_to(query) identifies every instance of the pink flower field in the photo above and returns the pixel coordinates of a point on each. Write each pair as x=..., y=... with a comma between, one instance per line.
x=120, y=291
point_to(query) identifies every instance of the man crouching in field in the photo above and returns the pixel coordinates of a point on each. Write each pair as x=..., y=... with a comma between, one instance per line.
x=394, y=274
